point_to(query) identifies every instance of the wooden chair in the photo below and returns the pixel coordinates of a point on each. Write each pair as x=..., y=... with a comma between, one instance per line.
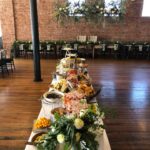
x=82, y=47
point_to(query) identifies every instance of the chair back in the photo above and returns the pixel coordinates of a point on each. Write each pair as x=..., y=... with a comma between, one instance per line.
x=2, y=53
x=93, y=39
x=30, y=47
x=40, y=47
x=116, y=47
x=48, y=47
x=140, y=48
x=103, y=47
x=75, y=46
x=81, y=38
x=21, y=47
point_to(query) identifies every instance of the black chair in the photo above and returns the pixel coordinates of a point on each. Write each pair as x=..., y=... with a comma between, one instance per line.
x=42, y=50
x=29, y=51
x=3, y=67
x=129, y=51
x=116, y=51
x=147, y=51
x=105, y=51
x=10, y=62
x=139, y=51
x=97, y=50
x=21, y=50
x=50, y=51
x=82, y=50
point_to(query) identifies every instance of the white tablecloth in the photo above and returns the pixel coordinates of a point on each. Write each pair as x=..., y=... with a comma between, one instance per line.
x=46, y=112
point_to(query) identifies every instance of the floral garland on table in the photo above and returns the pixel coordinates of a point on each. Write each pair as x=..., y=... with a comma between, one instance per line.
x=92, y=11
x=74, y=132
x=81, y=124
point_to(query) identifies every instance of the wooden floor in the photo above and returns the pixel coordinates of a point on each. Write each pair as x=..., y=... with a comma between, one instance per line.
x=125, y=87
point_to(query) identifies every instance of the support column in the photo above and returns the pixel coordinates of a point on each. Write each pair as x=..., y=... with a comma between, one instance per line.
x=35, y=40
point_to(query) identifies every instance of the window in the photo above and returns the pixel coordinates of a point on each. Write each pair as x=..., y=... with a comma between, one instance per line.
x=111, y=6
x=146, y=9
x=110, y=3
x=74, y=4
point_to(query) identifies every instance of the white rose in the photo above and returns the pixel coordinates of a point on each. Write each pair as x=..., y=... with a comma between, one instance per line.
x=78, y=123
x=53, y=129
x=97, y=6
x=70, y=116
x=82, y=112
x=78, y=136
x=60, y=138
x=102, y=9
x=60, y=9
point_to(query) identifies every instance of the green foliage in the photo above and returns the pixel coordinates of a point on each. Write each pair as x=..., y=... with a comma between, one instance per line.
x=89, y=143
x=16, y=44
x=66, y=126
x=92, y=11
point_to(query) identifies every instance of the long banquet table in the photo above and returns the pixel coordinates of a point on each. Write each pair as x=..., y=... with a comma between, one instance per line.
x=46, y=112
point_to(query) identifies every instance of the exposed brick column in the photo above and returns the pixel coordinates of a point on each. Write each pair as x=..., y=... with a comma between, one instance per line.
x=7, y=23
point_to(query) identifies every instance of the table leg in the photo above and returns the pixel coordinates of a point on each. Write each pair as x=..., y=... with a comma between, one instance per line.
x=93, y=55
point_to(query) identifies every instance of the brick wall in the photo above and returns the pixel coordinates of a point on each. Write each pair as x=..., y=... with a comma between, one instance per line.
x=7, y=23
x=134, y=27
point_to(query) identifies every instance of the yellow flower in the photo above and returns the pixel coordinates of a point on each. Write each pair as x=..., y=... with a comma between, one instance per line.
x=42, y=123
x=60, y=138
x=78, y=123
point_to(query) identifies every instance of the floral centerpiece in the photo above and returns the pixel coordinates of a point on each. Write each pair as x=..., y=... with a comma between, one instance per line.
x=93, y=11
x=77, y=132
x=76, y=124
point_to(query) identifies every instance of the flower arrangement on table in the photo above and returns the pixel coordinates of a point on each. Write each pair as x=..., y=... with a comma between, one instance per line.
x=76, y=132
x=91, y=11
x=77, y=124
